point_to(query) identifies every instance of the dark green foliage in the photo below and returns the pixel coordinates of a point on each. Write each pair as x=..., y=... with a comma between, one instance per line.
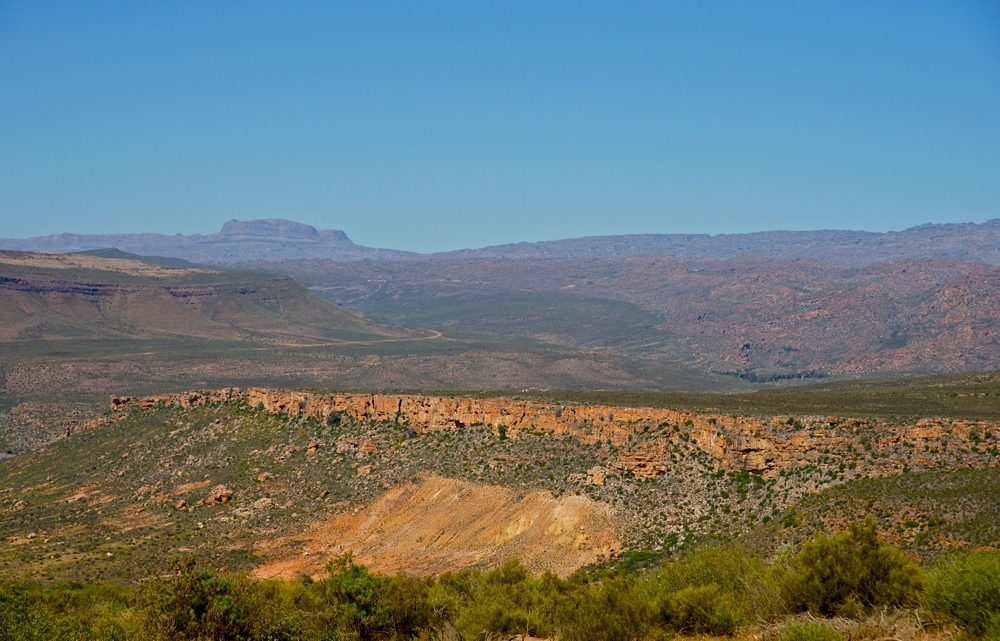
x=848, y=570
x=21, y=614
x=967, y=589
x=700, y=609
x=714, y=591
x=612, y=610
x=354, y=600
x=197, y=604
x=510, y=601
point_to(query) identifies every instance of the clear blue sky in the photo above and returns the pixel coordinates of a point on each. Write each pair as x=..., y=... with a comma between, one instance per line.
x=429, y=125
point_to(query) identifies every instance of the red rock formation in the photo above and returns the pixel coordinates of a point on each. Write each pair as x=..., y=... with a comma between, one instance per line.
x=762, y=445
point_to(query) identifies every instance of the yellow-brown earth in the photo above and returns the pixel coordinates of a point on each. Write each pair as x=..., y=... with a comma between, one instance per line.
x=439, y=524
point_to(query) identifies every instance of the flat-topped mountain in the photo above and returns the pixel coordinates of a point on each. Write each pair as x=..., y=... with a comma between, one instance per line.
x=276, y=239
x=271, y=239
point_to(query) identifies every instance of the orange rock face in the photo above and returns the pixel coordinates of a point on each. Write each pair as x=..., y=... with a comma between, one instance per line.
x=762, y=445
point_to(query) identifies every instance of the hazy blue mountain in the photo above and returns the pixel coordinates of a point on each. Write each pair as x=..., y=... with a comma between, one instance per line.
x=276, y=239
x=238, y=241
x=967, y=241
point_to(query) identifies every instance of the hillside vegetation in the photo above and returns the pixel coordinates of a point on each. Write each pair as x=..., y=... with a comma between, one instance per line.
x=247, y=486
x=761, y=319
x=848, y=586
x=46, y=297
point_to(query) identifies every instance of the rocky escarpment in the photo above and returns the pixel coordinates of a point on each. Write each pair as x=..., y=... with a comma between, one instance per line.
x=767, y=446
x=53, y=297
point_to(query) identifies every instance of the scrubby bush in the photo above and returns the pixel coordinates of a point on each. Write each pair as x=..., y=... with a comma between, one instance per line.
x=713, y=590
x=354, y=600
x=967, y=589
x=199, y=604
x=851, y=570
x=700, y=609
x=610, y=610
x=809, y=631
x=21, y=617
x=510, y=601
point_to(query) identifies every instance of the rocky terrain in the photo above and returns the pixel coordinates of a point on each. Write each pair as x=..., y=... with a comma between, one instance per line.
x=82, y=324
x=965, y=241
x=764, y=446
x=279, y=482
x=761, y=319
x=46, y=297
x=768, y=307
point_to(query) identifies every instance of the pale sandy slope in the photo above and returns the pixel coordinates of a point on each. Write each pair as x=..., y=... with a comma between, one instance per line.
x=440, y=524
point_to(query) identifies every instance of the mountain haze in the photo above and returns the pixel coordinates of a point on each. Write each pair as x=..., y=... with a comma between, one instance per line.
x=763, y=319
x=276, y=239
x=966, y=241
x=271, y=239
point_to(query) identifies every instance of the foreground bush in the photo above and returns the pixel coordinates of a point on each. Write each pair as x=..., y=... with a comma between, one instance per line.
x=193, y=604
x=809, y=631
x=713, y=590
x=967, y=589
x=710, y=591
x=21, y=616
x=509, y=601
x=849, y=572
x=609, y=610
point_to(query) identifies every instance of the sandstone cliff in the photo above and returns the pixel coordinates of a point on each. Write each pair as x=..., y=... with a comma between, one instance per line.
x=760, y=445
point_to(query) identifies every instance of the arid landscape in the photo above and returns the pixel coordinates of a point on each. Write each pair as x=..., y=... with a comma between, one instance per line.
x=546, y=321
x=579, y=416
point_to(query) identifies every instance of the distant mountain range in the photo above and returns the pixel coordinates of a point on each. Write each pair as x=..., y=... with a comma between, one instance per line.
x=238, y=241
x=966, y=241
x=276, y=239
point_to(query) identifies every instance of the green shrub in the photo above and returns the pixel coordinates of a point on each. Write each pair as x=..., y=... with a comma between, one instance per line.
x=611, y=610
x=967, y=589
x=199, y=604
x=21, y=617
x=699, y=609
x=411, y=606
x=354, y=600
x=740, y=581
x=809, y=631
x=508, y=601
x=849, y=569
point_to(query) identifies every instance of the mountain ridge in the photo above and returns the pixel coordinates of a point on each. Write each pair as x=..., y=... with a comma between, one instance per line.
x=237, y=241
x=843, y=248
x=277, y=239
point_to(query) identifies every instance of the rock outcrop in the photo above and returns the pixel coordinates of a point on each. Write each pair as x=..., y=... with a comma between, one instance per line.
x=760, y=445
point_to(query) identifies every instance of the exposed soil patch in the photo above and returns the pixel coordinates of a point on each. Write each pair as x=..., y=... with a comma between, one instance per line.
x=440, y=524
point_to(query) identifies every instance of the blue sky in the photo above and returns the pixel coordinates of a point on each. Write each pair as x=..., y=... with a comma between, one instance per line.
x=431, y=126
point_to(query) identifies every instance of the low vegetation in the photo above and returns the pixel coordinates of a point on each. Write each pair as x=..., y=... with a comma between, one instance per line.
x=717, y=591
x=959, y=396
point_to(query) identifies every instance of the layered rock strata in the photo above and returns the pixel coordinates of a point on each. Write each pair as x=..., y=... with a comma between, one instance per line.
x=760, y=445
